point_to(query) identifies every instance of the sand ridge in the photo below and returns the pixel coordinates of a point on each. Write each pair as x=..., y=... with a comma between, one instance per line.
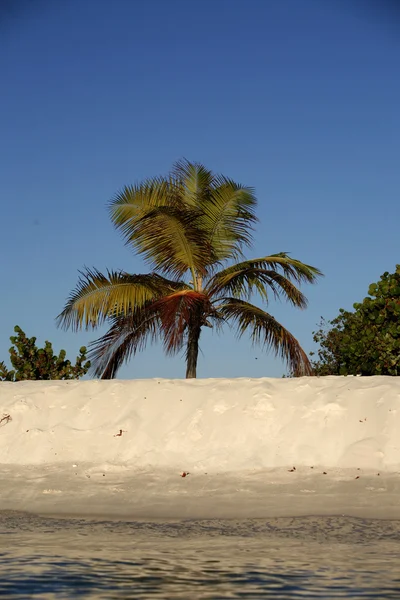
x=251, y=447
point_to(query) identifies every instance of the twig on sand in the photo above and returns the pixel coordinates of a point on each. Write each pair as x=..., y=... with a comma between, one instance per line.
x=5, y=419
x=121, y=431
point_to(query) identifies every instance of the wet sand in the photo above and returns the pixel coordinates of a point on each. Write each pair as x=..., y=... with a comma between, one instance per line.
x=116, y=492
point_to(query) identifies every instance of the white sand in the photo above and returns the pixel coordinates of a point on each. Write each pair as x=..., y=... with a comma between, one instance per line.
x=252, y=447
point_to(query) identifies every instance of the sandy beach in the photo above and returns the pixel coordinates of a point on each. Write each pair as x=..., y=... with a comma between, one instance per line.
x=207, y=448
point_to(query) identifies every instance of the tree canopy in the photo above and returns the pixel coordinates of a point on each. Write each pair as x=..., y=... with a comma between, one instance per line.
x=367, y=340
x=191, y=228
x=31, y=362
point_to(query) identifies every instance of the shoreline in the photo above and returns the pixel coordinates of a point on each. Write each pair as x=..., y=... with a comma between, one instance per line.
x=90, y=492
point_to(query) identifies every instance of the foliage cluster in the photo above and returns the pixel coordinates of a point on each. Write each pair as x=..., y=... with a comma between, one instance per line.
x=367, y=340
x=31, y=362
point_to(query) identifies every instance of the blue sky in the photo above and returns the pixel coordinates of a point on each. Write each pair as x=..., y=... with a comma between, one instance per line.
x=298, y=99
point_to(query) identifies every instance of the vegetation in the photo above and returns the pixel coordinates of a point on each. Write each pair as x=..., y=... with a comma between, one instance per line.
x=366, y=341
x=191, y=227
x=31, y=362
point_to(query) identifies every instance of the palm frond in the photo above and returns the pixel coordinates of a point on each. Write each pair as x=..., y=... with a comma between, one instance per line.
x=98, y=296
x=134, y=201
x=170, y=241
x=243, y=279
x=127, y=335
x=166, y=318
x=187, y=221
x=227, y=218
x=266, y=330
x=157, y=219
x=176, y=311
x=290, y=267
x=193, y=183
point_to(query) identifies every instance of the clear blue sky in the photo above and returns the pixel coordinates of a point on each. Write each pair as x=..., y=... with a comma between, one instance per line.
x=299, y=99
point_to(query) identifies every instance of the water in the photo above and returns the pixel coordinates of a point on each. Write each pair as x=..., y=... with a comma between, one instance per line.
x=279, y=558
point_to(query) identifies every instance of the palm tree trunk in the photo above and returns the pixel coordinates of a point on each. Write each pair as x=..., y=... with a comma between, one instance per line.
x=192, y=350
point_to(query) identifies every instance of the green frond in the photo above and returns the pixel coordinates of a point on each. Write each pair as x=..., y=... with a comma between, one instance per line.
x=134, y=201
x=192, y=208
x=264, y=329
x=98, y=296
x=193, y=183
x=244, y=279
x=127, y=335
x=227, y=217
x=290, y=267
x=170, y=241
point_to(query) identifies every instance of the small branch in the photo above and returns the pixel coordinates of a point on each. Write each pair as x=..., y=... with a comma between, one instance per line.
x=5, y=419
x=121, y=431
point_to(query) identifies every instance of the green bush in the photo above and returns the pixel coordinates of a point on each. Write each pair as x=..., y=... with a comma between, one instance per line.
x=366, y=341
x=31, y=362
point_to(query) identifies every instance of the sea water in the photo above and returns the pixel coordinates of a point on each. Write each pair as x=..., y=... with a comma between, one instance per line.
x=312, y=557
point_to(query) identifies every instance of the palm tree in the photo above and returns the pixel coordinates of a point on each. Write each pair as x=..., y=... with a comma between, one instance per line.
x=191, y=228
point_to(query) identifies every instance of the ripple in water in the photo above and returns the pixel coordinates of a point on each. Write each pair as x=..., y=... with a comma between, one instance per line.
x=328, y=558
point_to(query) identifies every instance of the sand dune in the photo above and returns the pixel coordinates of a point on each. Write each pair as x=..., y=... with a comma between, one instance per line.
x=251, y=447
